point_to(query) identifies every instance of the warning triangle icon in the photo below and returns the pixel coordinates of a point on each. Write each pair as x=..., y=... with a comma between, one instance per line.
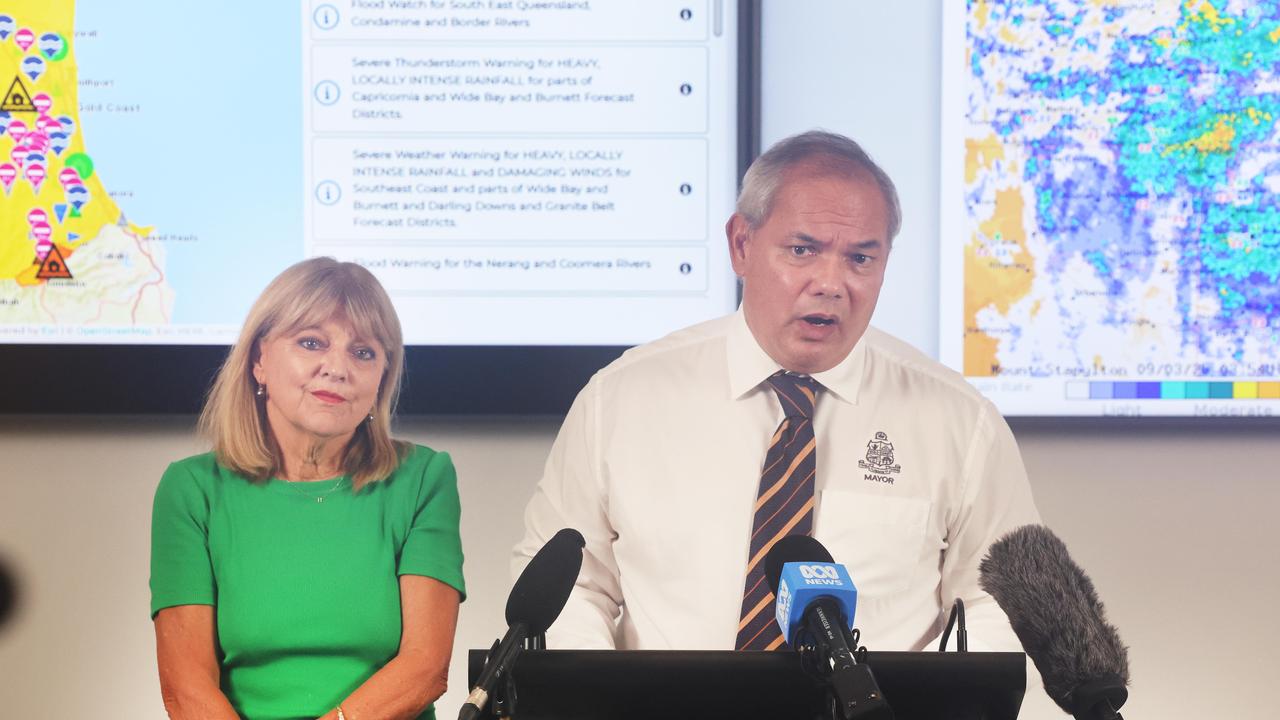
x=53, y=266
x=17, y=99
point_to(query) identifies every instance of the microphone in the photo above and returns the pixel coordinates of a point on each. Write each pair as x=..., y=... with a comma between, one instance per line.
x=536, y=599
x=1055, y=612
x=816, y=601
x=8, y=593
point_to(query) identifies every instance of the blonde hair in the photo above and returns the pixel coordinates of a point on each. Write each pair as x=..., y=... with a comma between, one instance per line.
x=305, y=294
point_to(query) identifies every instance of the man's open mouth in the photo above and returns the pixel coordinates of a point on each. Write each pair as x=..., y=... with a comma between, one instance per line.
x=819, y=320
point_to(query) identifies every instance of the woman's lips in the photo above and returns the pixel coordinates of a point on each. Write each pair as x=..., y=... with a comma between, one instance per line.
x=323, y=396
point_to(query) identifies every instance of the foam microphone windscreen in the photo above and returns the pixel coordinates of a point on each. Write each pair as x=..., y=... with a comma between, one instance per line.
x=792, y=548
x=1054, y=610
x=543, y=588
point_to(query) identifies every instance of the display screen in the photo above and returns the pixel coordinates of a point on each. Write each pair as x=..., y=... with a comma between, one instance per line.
x=1111, y=206
x=516, y=173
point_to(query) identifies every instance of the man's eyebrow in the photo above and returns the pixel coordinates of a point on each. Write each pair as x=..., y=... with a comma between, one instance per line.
x=872, y=244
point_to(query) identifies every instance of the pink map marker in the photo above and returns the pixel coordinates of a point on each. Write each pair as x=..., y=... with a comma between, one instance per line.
x=37, y=215
x=42, y=102
x=19, y=155
x=68, y=175
x=41, y=231
x=7, y=175
x=24, y=38
x=36, y=174
x=42, y=122
x=42, y=250
x=17, y=130
x=37, y=141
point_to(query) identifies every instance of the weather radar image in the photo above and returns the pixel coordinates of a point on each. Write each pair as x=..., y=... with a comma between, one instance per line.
x=1111, y=205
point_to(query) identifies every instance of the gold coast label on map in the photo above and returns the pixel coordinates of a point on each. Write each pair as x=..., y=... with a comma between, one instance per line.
x=68, y=255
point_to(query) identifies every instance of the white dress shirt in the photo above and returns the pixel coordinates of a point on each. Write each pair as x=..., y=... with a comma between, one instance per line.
x=658, y=465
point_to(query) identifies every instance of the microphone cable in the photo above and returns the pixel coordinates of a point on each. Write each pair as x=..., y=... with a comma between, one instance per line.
x=962, y=633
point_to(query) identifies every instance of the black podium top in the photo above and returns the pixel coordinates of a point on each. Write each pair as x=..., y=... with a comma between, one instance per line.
x=674, y=684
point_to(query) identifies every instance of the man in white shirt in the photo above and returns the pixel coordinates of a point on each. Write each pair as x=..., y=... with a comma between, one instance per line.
x=669, y=460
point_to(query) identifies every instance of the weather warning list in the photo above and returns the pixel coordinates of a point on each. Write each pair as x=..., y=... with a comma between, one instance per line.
x=515, y=172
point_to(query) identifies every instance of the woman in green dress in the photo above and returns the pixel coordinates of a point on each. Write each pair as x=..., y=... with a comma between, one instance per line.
x=310, y=565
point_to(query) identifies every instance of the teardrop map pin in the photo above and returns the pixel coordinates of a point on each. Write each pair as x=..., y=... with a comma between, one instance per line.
x=51, y=45
x=33, y=67
x=7, y=175
x=17, y=130
x=36, y=175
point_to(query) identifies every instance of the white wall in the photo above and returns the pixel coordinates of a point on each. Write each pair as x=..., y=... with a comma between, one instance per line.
x=1175, y=527
x=869, y=70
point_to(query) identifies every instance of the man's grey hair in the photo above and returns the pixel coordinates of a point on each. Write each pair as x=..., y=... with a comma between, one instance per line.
x=831, y=153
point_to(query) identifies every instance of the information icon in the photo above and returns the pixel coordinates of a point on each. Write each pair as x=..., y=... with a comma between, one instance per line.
x=326, y=17
x=328, y=193
x=327, y=92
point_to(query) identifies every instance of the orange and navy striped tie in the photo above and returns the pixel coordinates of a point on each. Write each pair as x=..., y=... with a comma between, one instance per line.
x=784, y=504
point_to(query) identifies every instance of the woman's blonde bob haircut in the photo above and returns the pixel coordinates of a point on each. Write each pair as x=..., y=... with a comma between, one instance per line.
x=304, y=295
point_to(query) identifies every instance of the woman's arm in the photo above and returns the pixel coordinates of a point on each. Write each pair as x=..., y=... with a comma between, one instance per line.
x=186, y=652
x=419, y=672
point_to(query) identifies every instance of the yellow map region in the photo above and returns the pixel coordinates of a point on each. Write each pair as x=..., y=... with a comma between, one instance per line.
x=58, y=81
x=67, y=255
x=997, y=265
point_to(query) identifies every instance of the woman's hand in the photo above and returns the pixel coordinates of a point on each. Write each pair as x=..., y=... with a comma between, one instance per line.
x=186, y=652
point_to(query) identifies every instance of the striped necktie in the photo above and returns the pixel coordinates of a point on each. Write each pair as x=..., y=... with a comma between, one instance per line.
x=784, y=504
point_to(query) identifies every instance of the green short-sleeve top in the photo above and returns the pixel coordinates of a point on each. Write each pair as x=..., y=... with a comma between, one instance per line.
x=303, y=576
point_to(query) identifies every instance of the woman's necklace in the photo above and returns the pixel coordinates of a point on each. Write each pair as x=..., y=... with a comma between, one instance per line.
x=318, y=498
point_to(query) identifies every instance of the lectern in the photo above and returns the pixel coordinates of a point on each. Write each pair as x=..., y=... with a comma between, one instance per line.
x=674, y=685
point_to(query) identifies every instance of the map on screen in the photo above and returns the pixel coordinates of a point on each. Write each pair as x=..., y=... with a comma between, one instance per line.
x=1111, y=213
x=515, y=173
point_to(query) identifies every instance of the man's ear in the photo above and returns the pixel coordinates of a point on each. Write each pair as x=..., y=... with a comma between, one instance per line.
x=738, y=233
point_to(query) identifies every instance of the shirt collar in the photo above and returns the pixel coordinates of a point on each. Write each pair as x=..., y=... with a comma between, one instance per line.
x=750, y=365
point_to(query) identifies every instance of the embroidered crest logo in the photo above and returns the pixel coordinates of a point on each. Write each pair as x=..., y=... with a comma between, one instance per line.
x=879, y=456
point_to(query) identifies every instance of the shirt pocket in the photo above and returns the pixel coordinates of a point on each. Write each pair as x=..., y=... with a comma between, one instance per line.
x=879, y=539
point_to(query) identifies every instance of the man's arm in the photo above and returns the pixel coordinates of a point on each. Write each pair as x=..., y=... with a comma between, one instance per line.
x=995, y=499
x=572, y=494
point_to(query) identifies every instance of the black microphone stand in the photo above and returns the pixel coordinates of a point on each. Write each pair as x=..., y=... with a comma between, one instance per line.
x=504, y=696
x=827, y=652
